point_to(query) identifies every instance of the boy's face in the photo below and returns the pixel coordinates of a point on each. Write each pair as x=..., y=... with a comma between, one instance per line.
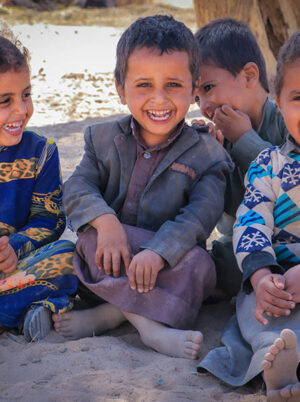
x=289, y=99
x=158, y=90
x=15, y=105
x=219, y=87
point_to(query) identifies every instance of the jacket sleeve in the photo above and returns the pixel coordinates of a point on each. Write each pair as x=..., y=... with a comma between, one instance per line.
x=46, y=220
x=82, y=197
x=253, y=229
x=199, y=216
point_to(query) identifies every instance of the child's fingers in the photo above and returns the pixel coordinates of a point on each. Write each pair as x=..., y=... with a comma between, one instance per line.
x=274, y=309
x=131, y=275
x=228, y=111
x=139, y=277
x=259, y=316
x=3, y=242
x=153, y=279
x=107, y=262
x=127, y=257
x=9, y=265
x=116, y=261
x=200, y=122
x=279, y=281
x=147, y=278
x=220, y=136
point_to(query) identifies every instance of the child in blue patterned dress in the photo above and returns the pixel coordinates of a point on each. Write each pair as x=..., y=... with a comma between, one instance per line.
x=265, y=334
x=36, y=275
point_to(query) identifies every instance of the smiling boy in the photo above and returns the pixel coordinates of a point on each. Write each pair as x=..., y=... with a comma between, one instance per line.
x=146, y=194
x=233, y=94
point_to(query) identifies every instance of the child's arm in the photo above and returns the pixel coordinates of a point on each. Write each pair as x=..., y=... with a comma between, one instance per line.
x=205, y=202
x=112, y=244
x=82, y=192
x=270, y=296
x=8, y=257
x=247, y=143
x=253, y=229
x=46, y=220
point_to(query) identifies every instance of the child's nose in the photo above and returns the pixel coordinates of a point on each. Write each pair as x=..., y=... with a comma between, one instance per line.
x=204, y=105
x=159, y=95
x=20, y=107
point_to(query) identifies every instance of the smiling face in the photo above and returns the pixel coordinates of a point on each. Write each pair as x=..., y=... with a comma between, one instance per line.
x=289, y=99
x=158, y=91
x=219, y=87
x=15, y=105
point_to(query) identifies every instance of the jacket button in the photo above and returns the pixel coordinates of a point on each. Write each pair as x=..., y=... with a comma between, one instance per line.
x=147, y=155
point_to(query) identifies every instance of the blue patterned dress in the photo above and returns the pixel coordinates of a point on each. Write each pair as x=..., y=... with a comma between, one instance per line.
x=31, y=215
x=266, y=233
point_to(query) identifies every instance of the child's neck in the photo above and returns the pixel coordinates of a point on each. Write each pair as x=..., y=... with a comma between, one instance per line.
x=257, y=108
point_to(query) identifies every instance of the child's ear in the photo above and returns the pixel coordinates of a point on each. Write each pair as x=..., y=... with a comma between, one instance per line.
x=277, y=102
x=196, y=92
x=121, y=93
x=251, y=74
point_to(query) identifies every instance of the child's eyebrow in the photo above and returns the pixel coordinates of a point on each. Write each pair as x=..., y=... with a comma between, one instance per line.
x=295, y=92
x=11, y=93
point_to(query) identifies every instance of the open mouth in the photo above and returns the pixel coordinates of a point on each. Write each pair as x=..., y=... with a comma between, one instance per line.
x=161, y=115
x=13, y=128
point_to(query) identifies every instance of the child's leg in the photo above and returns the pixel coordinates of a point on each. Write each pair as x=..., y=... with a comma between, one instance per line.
x=90, y=322
x=280, y=367
x=169, y=341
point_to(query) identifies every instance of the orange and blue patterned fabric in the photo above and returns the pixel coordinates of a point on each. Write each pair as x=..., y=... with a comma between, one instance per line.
x=31, y=215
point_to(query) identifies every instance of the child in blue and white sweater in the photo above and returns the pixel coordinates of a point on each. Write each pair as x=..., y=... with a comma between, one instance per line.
x=265, y=333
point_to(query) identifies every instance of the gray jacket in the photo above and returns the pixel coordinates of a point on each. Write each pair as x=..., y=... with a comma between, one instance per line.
x=182, y=201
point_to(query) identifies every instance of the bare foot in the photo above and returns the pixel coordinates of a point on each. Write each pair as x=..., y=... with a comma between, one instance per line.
x=169, y=341
x=280, y=366
x=94, y=321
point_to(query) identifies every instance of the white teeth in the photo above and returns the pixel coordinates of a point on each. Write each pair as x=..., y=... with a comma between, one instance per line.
x=12, y=126
x=159, y=115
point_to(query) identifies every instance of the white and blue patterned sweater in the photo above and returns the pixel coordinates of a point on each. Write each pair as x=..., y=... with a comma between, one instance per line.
x=267, y=228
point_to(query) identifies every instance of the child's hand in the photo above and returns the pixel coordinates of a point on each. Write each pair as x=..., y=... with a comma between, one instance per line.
x=8, y=257
x=232, y=123
x=292, y=282
x=270, y=296
x=143, y=270
x=213, y=131
x=112, y=244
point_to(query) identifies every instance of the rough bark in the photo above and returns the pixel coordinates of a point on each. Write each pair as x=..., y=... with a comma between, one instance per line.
x=272, y=21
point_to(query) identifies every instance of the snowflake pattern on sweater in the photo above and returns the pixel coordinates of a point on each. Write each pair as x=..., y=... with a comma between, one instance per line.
x=268, y=220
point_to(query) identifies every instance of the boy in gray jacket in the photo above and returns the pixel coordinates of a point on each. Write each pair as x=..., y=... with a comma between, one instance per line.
x=145, y=197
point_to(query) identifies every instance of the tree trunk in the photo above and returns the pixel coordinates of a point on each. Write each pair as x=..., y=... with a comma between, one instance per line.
x=272, y=21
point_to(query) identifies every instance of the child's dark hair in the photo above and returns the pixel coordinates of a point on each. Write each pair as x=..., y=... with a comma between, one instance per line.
x=230, y=44
x=13, y=56
x=288, y=54
x=158, y=31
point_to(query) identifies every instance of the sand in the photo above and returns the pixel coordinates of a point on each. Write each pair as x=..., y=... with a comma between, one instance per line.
x=73, y=86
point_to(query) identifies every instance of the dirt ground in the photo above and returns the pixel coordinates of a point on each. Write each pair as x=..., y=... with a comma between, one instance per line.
x=116, y=366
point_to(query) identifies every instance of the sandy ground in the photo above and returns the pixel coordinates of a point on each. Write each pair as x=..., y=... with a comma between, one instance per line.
x=72, y=77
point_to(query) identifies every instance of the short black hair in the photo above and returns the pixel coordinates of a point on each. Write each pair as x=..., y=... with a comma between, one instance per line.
x=161, y=32
x=13, y=56
x=230, y=44
x=288, y=54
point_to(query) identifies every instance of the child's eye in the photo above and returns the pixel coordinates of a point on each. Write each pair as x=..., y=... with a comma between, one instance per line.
x=27, y=95
x=4, y=101
x=208, y=87
x=174, y=85
x=143, y=85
